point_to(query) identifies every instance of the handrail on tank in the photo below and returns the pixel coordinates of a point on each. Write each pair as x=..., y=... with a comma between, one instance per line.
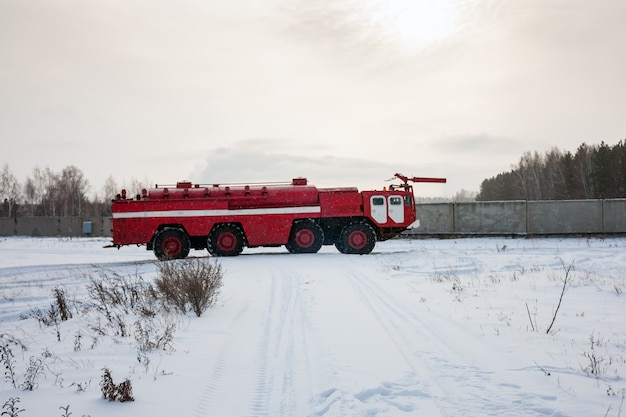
x=294, y=181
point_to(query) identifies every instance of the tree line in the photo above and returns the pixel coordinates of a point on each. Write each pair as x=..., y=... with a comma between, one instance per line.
x=64, y=193
x=593, y=172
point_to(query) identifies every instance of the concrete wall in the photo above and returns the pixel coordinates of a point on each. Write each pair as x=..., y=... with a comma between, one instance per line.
x=54, y=226
x=492, y=217
x=435, y=218
x=523, y=217
x=614, y=218
x=571, y=216
x=484, y=218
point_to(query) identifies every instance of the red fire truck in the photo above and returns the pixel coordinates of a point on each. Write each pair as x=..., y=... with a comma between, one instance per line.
x=225, y=218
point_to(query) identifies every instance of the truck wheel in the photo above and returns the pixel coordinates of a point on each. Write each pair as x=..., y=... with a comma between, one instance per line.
x=356, y=238
x=171, y=243
x=225, y=239
x=306, y=237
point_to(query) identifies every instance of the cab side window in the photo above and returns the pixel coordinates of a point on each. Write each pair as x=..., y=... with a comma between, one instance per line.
x=378, y=201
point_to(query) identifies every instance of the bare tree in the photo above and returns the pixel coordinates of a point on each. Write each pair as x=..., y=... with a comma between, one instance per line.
x=137, y=185
x=72, y=187
x=554, y=178
x=41, y=190
x=10, y=192
x=465, y=195
x=110, y=188
x=30, y=194
x=529, y=172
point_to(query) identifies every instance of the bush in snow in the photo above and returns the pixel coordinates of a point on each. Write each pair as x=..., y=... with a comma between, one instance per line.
x=6, y=358
x=111, y=293
x=190, y=284
x=122, y=392
x=10, y=407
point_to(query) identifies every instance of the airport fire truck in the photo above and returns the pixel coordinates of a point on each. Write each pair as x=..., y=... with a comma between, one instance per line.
x=225, y=218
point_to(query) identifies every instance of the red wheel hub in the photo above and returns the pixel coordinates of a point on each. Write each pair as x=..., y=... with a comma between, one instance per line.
x=305, y=238
x=227, y=241
x=172, y=246
x=357, y=239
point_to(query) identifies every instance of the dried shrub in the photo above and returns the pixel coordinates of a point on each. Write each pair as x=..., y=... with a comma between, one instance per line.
x=191, y=284
x=11, y=408
x=59, y=311
x=125, y=391
x=61, y=304
x=33, y=372
x=116, y=297
x=111, y=292
x=151, y=335
x=6, y=359
x=112, y=392
x=107, y=386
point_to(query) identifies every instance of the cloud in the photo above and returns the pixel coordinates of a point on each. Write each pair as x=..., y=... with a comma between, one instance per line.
x=477, y=144
x=241, y=164
x=264, y=92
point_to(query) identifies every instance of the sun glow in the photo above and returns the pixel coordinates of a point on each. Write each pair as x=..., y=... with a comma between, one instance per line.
x=416, y=23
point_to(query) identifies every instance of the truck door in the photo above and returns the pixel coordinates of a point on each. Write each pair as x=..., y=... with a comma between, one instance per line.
x=387, y=208
x=378, y=205
x=396, y=208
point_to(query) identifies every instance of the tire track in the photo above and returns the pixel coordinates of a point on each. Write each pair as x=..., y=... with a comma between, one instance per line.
x=395, y=325
x=456, y=382
x=273, y=367
x=281, y=347
x=214, y=384
x=25, y=288
x=259, y=401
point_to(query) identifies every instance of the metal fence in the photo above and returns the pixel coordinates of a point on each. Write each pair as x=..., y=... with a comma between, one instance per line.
x=554, y=217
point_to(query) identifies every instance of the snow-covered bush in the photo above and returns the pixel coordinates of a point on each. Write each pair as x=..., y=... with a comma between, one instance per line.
x=191, y=284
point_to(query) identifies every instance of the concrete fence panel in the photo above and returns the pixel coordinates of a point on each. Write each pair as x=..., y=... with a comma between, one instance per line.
x=7, y=226
x=490, y=217
x=614, y=216
x=564, y=216
x=38, y=226
x=435, y=218
x=54, y=226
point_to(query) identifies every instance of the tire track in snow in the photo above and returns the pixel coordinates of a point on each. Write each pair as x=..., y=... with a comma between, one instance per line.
x=25, y=288
x=49, y=276
x=371, y=350
x=214, y=384
x=259, y=400
x=273, y=368
x=461, y=387
x=422, y=383
x=281, y=347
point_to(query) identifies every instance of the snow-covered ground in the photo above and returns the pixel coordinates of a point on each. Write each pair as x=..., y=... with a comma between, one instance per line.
x=417, y=328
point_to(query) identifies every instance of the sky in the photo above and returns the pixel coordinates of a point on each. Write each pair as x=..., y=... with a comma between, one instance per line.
x=343, y=92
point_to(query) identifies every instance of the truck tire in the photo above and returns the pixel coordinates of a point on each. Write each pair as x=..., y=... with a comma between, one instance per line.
x=306, y=237
x=356, y=238
x=226, y=239
x=171, y=243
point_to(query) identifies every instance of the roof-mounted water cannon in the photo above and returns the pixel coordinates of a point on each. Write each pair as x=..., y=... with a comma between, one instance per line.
x=406, y=181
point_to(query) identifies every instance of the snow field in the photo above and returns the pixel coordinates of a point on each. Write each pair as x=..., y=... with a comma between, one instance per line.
x=417, y=328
